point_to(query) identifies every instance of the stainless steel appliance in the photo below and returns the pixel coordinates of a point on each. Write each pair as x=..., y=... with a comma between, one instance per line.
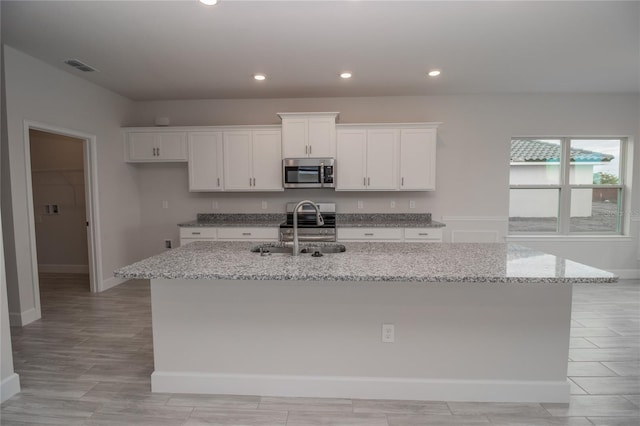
x=308, y=230
x=309, y=173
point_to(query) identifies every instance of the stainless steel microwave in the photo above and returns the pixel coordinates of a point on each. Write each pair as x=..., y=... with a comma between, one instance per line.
x=309, y=173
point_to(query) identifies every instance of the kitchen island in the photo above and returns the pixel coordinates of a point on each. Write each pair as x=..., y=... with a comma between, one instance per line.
x=472, y=322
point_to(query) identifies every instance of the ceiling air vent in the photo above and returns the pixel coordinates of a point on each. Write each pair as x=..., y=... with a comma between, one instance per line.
x=79, y=65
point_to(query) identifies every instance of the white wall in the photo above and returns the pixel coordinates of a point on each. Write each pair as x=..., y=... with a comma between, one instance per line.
x=472, y=165
x=38, y=92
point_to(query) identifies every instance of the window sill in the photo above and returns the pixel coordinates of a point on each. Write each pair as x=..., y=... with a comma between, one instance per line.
x=569, y=238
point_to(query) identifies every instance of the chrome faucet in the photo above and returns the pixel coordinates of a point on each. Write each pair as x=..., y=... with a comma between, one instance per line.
x=319, y=222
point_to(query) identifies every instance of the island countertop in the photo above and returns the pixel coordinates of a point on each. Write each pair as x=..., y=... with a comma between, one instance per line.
x=394, y=262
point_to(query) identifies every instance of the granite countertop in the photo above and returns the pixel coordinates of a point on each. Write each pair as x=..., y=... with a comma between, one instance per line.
x=236, y=220
x=343, y=220
x=411, y=262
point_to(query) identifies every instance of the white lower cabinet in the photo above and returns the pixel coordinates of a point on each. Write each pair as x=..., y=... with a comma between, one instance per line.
x=409, y=235
x=247, y=233
x=369, y=234
x=426, y=235
x=189, y=235
x=228, y=233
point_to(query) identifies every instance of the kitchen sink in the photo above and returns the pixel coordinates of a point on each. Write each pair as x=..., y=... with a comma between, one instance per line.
x=314, y=250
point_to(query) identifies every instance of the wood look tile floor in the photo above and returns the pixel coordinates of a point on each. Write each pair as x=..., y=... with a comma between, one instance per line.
x=88, y=362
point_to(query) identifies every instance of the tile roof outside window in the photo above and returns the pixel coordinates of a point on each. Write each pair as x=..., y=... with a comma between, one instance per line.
x=536, y=150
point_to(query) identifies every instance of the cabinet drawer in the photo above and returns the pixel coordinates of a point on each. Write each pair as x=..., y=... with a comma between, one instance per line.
x=248, y=233
x=200, y=232
x=423, y=234
x=370, y=234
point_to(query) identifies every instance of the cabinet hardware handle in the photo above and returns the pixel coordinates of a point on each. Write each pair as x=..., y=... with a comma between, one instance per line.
x=158, y=151
x=246, y=233
x=195, y=233
x=310, y=149
x=249, y=181
x=306, y=149
x=154, y=152
x=218, y=181
x=364, y=181
x=254, y=181
x=369, y=181
x=368, y=234
x=423, y=233
x=402, y=182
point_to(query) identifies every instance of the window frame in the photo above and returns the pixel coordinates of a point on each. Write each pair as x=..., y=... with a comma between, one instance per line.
x=565, y=186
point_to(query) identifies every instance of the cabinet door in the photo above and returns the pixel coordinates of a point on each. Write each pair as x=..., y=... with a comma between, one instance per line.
x=237, y=160
x=267, y=160
x=141, y=146
x=351, y=158
x=205, y=161
x=172, y=146
x=322, y=137
x=294, y=138
x=418, y=159
x=382, y=159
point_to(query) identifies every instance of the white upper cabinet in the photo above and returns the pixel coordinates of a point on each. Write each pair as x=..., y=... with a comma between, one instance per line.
x=252, y=160
x=205, y=162
x=386, y=157
x=418, y=159
x=367, y=159
x=310, y=135
x=156, y=146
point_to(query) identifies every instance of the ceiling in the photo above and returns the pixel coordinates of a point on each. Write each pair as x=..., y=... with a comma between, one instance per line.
x=184, y=50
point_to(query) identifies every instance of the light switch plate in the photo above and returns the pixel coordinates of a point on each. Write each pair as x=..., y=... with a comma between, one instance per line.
x=360, y=205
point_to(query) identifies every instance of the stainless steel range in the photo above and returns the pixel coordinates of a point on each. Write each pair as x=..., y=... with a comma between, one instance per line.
x=307, y=228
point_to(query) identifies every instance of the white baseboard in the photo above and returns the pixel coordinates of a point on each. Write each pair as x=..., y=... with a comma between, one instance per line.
x=64, y=269
x=9, y=387
x=19, y=319
x=627, y=274
x=361, y=387
x=110, y=283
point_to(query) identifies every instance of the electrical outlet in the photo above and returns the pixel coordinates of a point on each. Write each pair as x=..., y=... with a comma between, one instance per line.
x=264, y=205
x=55, y=209
x=360, y=205
x=165, y=204
x=167, y=244
x=388, y=333
x=215, y=205
x=412, y=204
x=392, y=204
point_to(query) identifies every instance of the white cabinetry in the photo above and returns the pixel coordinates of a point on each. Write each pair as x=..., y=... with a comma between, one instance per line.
x=155, y=146
x=386, y=157
x=409, y=235
x=367, y=159
x=418, y=159
x=425, y=235
x=370, y=234
x=231, y=233
x=248, y=233
x=308, y=135
x=205, y=161
x=189, y=235
x=252, y=160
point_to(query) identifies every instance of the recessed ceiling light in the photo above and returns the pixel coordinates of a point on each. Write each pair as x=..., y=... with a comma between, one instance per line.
x=345, y=74
x=259, y=77
x=209, y=2
x=434, y=73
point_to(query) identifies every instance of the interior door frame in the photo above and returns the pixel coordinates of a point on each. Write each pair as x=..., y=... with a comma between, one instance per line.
x=91, y=204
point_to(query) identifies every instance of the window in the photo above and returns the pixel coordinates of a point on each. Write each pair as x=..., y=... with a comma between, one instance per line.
x=566, y=186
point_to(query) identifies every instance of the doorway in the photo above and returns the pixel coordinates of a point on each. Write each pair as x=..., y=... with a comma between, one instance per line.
x=62, y=186
x=57, y=182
